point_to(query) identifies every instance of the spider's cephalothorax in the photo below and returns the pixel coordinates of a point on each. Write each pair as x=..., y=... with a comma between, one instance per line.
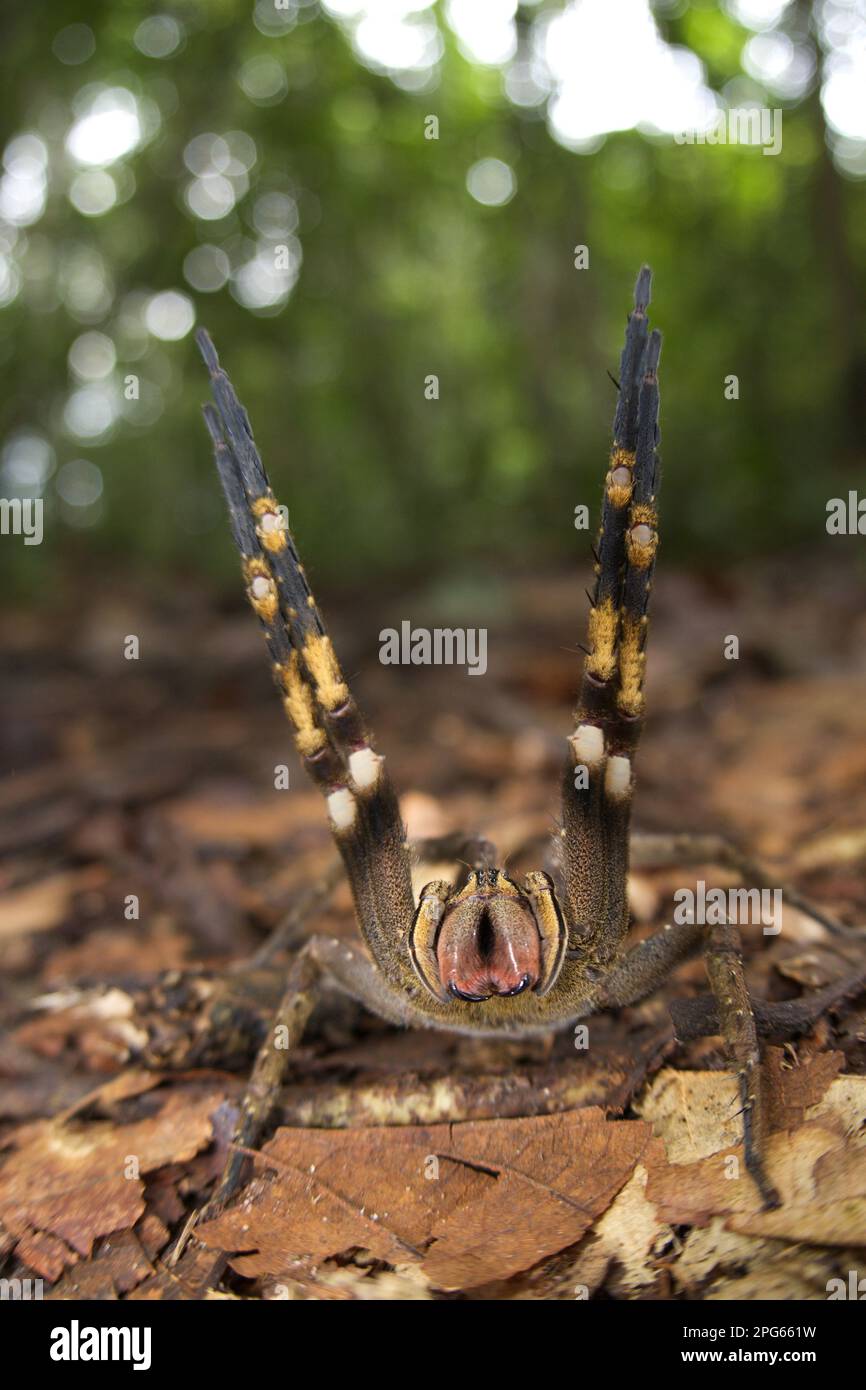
x=488, y=956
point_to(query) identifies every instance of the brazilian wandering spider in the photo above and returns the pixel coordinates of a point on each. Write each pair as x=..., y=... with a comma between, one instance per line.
x=485, y=954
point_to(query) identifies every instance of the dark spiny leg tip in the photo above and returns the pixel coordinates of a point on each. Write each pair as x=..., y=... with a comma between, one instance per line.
x=207, y=350
x=211, y=419
x=642, y=288
x=653, y=352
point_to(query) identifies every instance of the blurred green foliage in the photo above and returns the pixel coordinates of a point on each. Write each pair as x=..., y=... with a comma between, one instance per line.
x=759, y=271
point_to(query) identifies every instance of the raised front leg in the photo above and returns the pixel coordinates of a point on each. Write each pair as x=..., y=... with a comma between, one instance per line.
x=330, y=733
x=597, y=787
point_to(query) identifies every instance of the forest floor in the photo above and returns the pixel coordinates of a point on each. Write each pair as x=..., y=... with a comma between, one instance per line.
x=142, y=834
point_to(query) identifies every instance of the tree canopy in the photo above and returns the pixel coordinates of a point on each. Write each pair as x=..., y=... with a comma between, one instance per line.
x=375, y=209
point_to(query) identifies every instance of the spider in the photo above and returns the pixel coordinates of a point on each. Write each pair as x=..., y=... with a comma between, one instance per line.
x=487, y=954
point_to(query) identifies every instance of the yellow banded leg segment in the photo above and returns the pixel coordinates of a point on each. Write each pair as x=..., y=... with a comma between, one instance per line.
x=641, y=545
x=596, y=808
x=300, y=708
x=321, y=662
x=632, y=666
x=604, y=613
x=261, y=589
x=603, y=629
x=619, y=482
x=270, y=523
x=365, y=765
x=641, y=542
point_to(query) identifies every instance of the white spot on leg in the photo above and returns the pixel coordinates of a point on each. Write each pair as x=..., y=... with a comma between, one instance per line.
x=364, y=768
x=271, y=521
x=341, y=809
x=587, y=744
x=617, y=776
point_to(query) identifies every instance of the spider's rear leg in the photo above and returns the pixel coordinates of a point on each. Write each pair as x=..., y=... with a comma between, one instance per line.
x=598, y=779
x=642, y=970
x=322, y=961
x=330, y=733
x=724, y=962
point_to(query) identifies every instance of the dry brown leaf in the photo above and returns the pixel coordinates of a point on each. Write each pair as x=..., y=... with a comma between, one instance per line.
x=622, y=1243
x=819, y=1172
x=824, y=1187
x=792, y=1089
x=720, y=1264
x=338, y=1190
x=473, y=1202
x=690, y=1193
x=117, y=1266
x=67, y=1179
x=696, y=1112
x=556, y=1175
x=693, y=1112
x=818, y=1167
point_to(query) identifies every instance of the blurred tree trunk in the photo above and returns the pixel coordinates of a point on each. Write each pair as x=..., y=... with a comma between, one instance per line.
x=848, y=337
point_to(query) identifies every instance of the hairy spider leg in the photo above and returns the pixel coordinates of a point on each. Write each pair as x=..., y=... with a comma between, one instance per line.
x=643, y=969
x=626, y=722
x=330, y=733
x=600, y=665
x=597, y=785
x=641, y=544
